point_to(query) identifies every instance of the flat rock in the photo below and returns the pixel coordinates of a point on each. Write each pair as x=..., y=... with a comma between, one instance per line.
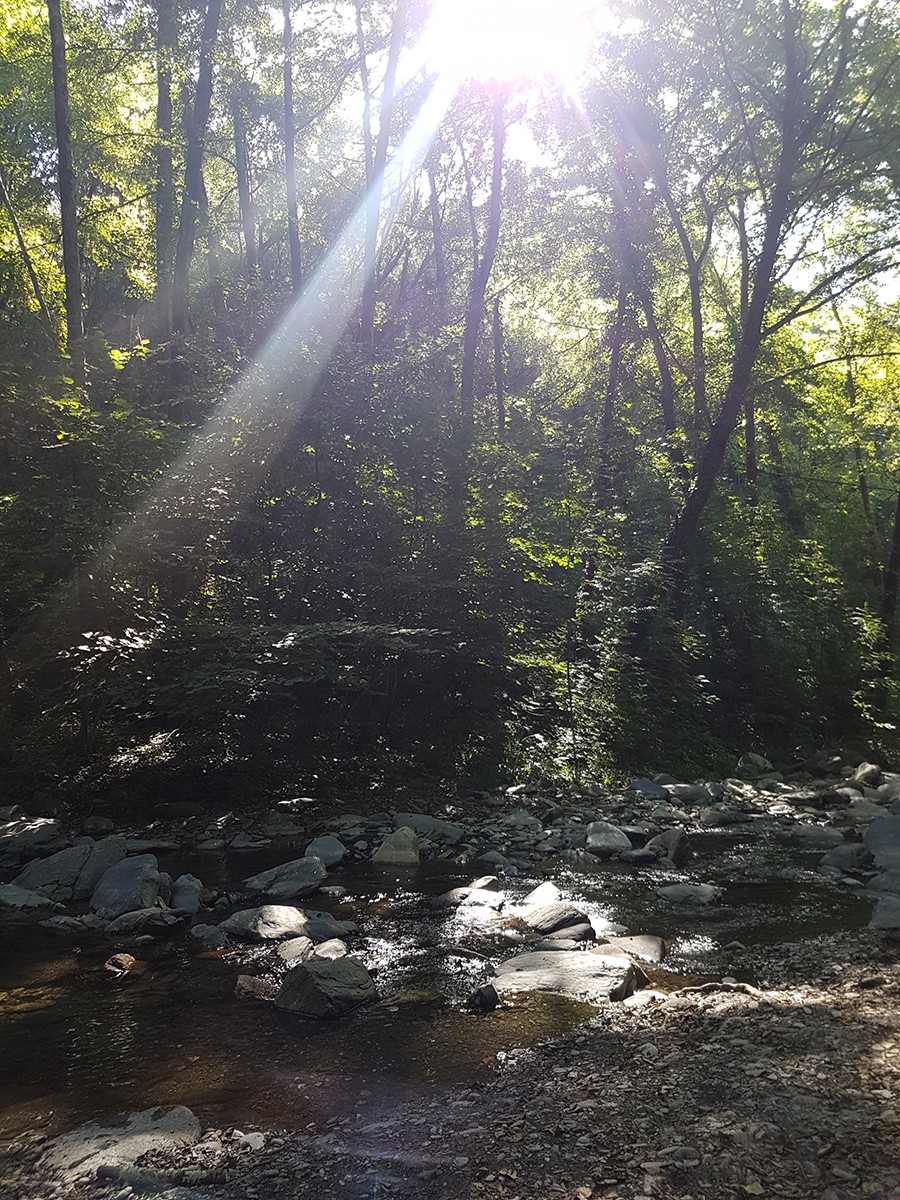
x=649, y=789
x=642, y=945
x=28, y=836
x=118, y=1141
x=333, y=948
x=548, y=917
x=328, y=848
x=269, y=923
x=574, y=933
x=325, y=987
x=672, y=844
x=252, y=987
x=886, y=914
x=72, y=874
x=296, y=949
x=689, y=893
x=399, y=849
x=848, y=856
x=154, y=921
x=887, y=881
x=299, y=877
x=584, y=974
x=129, y=885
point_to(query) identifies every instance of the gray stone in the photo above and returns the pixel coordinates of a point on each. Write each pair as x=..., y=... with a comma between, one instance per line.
x=716, y=817
x=185, y=895
x=583, y=932
x=297, y=878
x=118, y=1141
x=104, y=854
x=153, y=921
x=819, y=836
x=882, y=840
x=325, y=987
x=151, y=845
x=399, y=849
x=269, y=923
x=867, y=774
x=320, y=926
x=887, y=881
x=639, y=858
x=544, y=893
x=689, y=793
x=55, y=877
x=97, y=826
x=862, y=811
x=211, y=845
x=672, y=844
x=296, y=949
x=209, y=937
x=127, y=886
x=848, y=856
x=690, y=893
x=752, y=765
x=333, y=948
x=585, y=974
x=432, y=827
x=28, y=836
x=249, y=841
x=643, y=945
x=548, y=917
x=649, y=789
x=606, y=840
x=251, y=987
x=329, y=849
x=886, y=914
x=18, y=899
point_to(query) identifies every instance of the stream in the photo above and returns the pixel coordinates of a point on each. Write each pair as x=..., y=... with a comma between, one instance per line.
x=75, y=1041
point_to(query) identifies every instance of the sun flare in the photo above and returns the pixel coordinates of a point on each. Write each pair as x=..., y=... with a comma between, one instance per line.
x=511, y=41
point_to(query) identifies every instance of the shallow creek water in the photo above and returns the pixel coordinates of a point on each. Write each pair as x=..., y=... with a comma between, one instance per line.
x=74, y=1041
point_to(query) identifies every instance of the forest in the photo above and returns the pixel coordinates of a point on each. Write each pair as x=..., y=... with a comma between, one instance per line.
x=417, y=391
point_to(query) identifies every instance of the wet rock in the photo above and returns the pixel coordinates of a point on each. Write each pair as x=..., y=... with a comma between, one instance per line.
x=296, y=949
x=888, y=881
x=333, y=948
x=605, y=840
x=583, y=974
x=862, y=811
x=18, y=899
x=118, y=1141
x=399, y=849
x=882, y=840
x=690, y=893
x=717, y=817
x=548, y=917
x=185, y=894
x=689, y=793
x=30, y=836
x=249, y=841
x=522, y=821
x=329, y=849
x=210, y=845
x=251, y=987
x=57, y=875
x=484, y=999
x=498, y=860
x=753, y=765
x=819, y=836
x=649, y=789
x=127, y=886
x=209, y=937
x=151, y=845
x=269, y=923
x=122, y=964
x=153, y=921
x=297, y=878
x=640, y=858
x=672, y=844
x=432, y=827
x=457, y=897
x=322, y=925
x=325, y=987
x=584, y=932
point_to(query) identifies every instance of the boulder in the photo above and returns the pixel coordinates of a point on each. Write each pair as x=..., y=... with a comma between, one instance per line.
x=129, y=885
x=866, y=774
x=296, y=949
x=29, y=836
x=544, y=893
x=55, y=877
x=431, y=827
x=325, y=987
x=606, y=840
x=862, y=811
x=584, y=974
x=572, y=933
x=886, y=914
x=249, y=841
x=819, y=836
x=270, y=923
x=887, y=881
x=689, y=793
x=209, y=937
x=329, y=849
x=185, y=895
x=299, y=877
x=97, y=826
x=690, y=893
x=549, y=917
x=320, y=926
x=251, y=987
x=399, y=849
x=672, y=844
x=643, y=945
x=333, y=948
x=753, y=765
x=848, y=856
x=18, y=899
x=882, y=840
x=118, y=1141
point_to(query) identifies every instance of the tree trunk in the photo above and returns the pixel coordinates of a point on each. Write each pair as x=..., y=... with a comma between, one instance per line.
x=376, y=186
x=290, y=137
x=166, y=43
x=26, y=257
x=750, y=464
x=196, y=121
x=245, y=195
x=67, y=196
x=440, y=265
x=499, y=384
x=482, y=275
x=891, y=581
